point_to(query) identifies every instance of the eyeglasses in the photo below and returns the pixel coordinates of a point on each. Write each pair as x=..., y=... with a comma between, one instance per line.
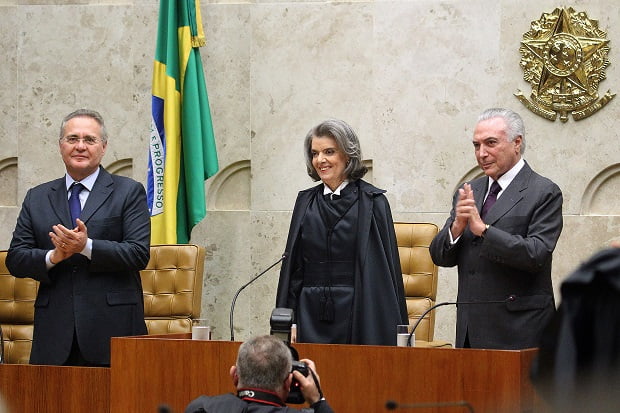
x=73, y=140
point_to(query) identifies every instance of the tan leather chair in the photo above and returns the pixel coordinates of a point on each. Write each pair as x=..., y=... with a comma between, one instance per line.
x=17, y=296
x=172, y=284
x=419, y=277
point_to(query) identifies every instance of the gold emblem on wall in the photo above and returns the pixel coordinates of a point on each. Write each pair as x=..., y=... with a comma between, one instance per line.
x=564, y=57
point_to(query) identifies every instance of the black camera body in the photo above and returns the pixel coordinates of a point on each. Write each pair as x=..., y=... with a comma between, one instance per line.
x=295, y=396
x=301, y=367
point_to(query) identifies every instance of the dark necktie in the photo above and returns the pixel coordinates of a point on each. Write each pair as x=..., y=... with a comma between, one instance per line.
x=74, y=201
x=491, y=198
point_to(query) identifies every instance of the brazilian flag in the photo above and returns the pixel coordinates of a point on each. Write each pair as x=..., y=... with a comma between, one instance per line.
x=182, y=152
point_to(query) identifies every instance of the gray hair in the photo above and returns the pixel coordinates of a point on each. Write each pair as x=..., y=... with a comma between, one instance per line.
x=89, y=114
x=263, y=362
x=347, y=141
x=514, y=123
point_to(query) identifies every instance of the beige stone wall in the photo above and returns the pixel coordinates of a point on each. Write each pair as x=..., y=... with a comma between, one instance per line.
x=410, y=76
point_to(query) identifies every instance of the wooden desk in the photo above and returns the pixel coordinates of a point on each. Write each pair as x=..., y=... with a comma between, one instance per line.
x=55, y=389
x=151, y=370
x=148, y=371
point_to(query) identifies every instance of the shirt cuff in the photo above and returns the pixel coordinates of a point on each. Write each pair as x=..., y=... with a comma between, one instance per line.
x=452, y=240
x=88, y=249
x=48, y=261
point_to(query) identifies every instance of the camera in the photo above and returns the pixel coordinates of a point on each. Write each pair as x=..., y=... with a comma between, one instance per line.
x=281, y=321
x=295, y=396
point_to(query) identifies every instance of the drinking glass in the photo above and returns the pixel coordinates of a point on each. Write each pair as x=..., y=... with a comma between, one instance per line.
x=201, y=330
x=402, y=335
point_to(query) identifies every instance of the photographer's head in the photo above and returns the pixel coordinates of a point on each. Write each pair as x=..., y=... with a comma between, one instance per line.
x=264, y=362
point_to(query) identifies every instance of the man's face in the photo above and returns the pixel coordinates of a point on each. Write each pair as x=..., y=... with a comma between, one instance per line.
x=81, y=146
x=495, y=155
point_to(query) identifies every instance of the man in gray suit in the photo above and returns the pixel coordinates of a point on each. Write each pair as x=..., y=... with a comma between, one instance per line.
x=502, y=249
x=86, y=249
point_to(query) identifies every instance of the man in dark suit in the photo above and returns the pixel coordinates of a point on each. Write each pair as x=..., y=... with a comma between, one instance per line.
x=87, y=260
x=502, y=249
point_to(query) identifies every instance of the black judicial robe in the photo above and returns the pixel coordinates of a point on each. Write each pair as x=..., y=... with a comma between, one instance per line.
x=578, y=364
x=378, y=303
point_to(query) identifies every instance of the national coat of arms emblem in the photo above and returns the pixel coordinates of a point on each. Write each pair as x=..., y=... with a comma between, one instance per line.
x=564, y=57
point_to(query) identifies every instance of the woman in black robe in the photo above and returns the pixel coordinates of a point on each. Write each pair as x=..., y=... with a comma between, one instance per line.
x=342, y=274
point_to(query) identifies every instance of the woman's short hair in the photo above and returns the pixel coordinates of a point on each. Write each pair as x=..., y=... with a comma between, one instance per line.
x=347, y=141
x=263, y=362
x=514, y=123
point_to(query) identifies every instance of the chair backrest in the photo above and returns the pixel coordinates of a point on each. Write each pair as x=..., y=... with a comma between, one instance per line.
x=17, y=296
x=419, y=274
x=172, y=285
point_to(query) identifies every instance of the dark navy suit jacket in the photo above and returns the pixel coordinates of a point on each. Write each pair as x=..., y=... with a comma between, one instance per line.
x=97, y=298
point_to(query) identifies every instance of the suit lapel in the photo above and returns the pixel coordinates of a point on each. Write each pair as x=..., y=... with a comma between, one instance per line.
x=59, y=201
x=479, y=187
x=511, y=195
x=101, y=191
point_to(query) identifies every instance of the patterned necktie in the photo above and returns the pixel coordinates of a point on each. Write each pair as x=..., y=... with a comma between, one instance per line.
x=491, y=198
x=74, y=201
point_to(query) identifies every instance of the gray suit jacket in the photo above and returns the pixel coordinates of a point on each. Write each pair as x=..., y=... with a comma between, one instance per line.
x=98, y=298
x=512, y=259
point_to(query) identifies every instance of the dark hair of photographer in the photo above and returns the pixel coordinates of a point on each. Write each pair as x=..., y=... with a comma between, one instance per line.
x=263, y=377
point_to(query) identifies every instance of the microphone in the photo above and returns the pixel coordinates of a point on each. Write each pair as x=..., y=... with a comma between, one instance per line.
x=392, y=405
x=510, y=298
x=232, y=306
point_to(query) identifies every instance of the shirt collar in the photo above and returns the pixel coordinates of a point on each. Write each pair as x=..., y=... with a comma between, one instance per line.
x=507, y=178
x=327, y=190
x=88, y=182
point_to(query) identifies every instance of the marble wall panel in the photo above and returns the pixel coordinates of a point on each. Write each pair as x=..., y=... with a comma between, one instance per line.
x=88, y=64
x=269, y=231
x=230, y=189
x=602, y=192
x=309, y=62
x=8, y=78
x=133, y=122
x=226, y=61
x=8, y=217
x=227, y=268
x=433, y=74
x=581, y=237
x=69, y=2
x=253, y=242
x=8, y=182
